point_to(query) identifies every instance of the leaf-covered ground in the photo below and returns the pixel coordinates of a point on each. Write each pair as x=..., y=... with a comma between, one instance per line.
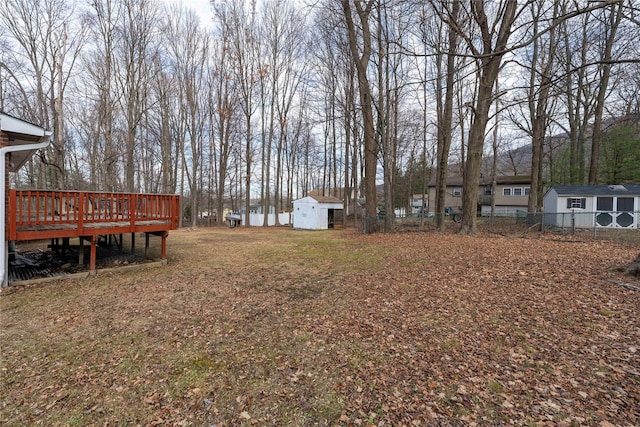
x=283, y=327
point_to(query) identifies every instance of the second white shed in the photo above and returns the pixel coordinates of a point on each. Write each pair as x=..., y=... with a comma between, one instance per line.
x=317, y=213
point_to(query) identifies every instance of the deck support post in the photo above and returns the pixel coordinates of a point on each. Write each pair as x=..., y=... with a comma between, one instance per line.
x=92, y=259
x=65, y=246
x=146, y=245
x=81, y=251
x=133, y=243
x=163, y=246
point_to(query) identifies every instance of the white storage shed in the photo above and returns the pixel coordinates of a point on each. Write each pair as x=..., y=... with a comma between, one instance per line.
x=586, y=206
x=317, y=212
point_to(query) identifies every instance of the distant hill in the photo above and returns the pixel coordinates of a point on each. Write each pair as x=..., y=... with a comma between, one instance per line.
x=514, y=162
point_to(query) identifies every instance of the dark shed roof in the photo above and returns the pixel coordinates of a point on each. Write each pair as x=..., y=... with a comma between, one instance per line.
x=598, y=190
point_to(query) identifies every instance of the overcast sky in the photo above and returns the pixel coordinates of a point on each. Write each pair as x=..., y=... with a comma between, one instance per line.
x=202, y=7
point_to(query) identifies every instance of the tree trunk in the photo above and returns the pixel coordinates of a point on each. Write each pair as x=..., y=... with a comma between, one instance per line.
x=445, y=123
x=366, y=102
x=614, y=21
x=538, y=107
x=489, y=68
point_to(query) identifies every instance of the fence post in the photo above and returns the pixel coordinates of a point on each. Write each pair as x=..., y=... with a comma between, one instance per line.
x=573, y=222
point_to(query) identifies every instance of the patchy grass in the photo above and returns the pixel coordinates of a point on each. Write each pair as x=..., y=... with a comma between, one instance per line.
x=284, y=327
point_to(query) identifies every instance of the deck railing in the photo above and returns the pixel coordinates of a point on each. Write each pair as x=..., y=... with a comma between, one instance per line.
x=40, y=208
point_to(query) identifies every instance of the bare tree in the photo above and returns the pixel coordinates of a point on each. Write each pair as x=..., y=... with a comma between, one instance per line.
x=138, y=30
x=244, y=48
x=291, y=68
x=360, y=46
x=189, y=47
x=495, y=30
x=444, y=107
x=161, y=108
x=224, y=109
x=332, y=62
x=99, y=63
x=578, y=86
x=610, y=27
x=167, y=102
x=390, y=33
x=50, y=40
x=540, y=85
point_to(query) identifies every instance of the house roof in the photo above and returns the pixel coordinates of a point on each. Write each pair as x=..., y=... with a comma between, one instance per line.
x=15, y=125
x=456, y=181
x=598, y=190
x=21, y=132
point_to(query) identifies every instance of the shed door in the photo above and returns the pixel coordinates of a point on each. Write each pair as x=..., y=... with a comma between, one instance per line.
x=625, y=212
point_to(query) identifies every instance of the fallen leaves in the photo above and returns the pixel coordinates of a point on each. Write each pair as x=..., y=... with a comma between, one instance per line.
x=293, y=328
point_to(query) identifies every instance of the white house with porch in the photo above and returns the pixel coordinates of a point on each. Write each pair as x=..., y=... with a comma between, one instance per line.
x=587, y=206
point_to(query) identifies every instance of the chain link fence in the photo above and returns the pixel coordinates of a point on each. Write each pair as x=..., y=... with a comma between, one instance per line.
x=618, y=226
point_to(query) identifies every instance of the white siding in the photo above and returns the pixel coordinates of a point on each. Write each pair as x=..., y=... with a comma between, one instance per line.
x=309, y=214
x=550, y=201
x=556, y=212
x=305, y=214
x=257, y=220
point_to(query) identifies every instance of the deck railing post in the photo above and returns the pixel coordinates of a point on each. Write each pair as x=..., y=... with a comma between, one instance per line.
x=133, y=210
x=81, y=212
x=36, y=207
x=175, y=211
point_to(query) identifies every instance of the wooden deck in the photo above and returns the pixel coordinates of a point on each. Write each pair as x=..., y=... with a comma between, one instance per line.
x=37, y=215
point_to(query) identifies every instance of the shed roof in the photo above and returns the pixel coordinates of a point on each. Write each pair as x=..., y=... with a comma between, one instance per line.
x=326, y=199
x=598, y=190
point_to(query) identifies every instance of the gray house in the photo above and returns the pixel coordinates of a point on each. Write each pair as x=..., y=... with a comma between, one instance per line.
x=587, y=206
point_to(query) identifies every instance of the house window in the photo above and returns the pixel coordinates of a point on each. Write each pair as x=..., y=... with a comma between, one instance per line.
x=457, y=191
x=576, y=203
x=604, y=204
x=517, y=191
x=506, y=191
x=488, y=190
x=527, y=191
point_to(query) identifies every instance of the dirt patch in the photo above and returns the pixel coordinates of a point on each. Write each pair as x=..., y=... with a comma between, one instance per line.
x=283, y=327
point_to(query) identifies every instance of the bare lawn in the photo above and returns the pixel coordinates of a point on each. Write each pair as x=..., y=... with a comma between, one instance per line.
x=283, y=327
